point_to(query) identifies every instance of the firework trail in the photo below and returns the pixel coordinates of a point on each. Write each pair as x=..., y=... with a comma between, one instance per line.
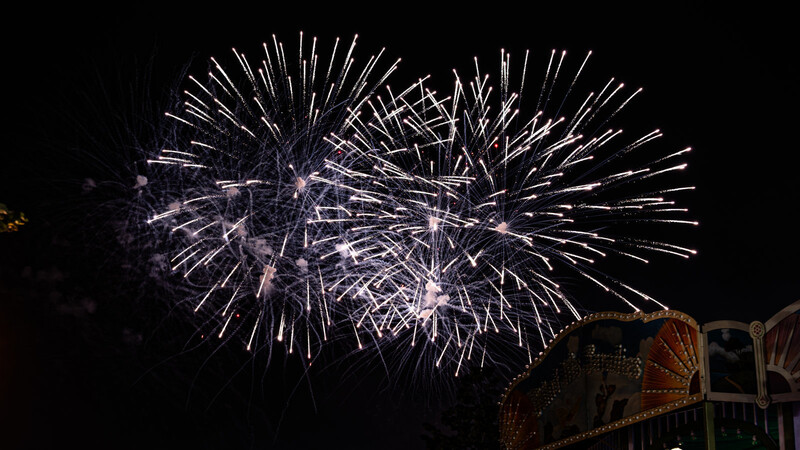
x=464, y=215
x=244, y=171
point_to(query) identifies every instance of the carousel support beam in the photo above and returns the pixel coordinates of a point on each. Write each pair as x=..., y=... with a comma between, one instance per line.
x=708, y=425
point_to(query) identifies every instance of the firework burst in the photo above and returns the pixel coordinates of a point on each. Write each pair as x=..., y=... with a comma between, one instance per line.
x=465, y=214
x=301, y=205
x=243, y=173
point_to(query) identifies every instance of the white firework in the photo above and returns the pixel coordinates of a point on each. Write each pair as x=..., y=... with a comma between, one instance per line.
x=465, y=213
x=242, y=175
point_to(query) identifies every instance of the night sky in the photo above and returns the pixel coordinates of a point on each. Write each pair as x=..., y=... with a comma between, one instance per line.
x=91, y=357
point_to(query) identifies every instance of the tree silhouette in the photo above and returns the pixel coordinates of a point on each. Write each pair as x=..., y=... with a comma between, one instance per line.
x=471, y=422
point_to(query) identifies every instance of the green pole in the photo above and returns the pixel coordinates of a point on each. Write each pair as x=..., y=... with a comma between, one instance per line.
x=708, y=425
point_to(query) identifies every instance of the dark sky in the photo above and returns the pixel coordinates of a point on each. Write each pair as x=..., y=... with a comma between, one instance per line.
x=85, y=361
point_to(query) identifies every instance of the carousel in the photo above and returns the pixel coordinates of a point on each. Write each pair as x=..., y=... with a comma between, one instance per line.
x=660, y=381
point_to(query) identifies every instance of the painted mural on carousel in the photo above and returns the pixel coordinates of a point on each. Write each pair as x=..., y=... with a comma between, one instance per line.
x=605, y=371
